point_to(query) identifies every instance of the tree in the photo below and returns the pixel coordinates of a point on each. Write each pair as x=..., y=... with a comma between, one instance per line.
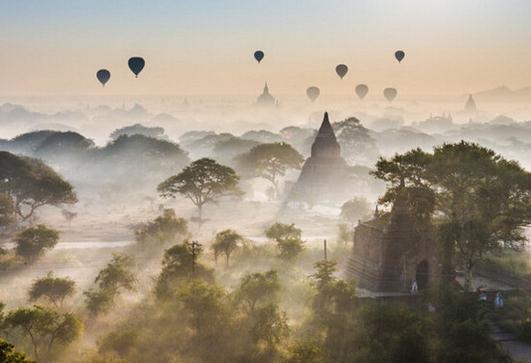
x=163, y=229
x=111, y=280
x=305, y=352
x=32, y=184
x=271, y=161
x=44, y=328
x=7, y=212
x=355, y=209
x=258, y=288
x=179, y=264
x=204, y=181
x=226, y=242
x=34, y=241
x=54, y=289
x=9, y=355
x=345, y=233
x=69, y=216
x=288, y=238
x=481, y=201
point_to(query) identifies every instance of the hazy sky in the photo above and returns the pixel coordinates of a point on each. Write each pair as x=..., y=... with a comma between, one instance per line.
x=205, y=47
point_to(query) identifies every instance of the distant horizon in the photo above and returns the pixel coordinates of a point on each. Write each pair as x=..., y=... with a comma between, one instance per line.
x=451, y=47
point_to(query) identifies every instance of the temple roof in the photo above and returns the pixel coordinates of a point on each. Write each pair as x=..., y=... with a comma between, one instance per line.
x=266, y=97
x=325, y=144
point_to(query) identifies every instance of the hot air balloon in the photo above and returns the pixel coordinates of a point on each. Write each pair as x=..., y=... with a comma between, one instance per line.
x=341, y=70
x=390, y=94
x=313, y=92
x=136, y=64
x=103, y=76
x=399, y=55
x=258, y=55
x=362, y=90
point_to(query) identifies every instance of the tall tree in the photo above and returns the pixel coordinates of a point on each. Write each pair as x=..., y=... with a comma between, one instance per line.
x=203, y=181
x=258, y=289
x=355, y=209
x=34, y=241
x=226, y=242
x=271, y=161
x=480, y=201
x=44, y=328
x=117, y=276
x=54, y=289
x=288, y=238
x=32, y=184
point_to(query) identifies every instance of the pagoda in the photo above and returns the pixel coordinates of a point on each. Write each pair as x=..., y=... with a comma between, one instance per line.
x=324, y=176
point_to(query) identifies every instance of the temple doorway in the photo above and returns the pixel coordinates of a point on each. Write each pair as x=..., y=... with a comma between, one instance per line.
x=422, y=274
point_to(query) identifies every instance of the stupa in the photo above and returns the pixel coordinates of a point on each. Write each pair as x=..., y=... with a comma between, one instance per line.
x=325, y=174
x=266, y=99
x=470, y=105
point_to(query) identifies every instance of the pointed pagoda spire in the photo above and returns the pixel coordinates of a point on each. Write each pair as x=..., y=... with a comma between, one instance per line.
x=325, y=144
x=470, y=104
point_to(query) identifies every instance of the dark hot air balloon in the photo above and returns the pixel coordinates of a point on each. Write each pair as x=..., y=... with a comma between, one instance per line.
x=258, y=55
x=362, y=90
x=103, y=76
x=399, y=55
x=136, y=64
x=390, y=94
x=341, y=70
x=313, y=92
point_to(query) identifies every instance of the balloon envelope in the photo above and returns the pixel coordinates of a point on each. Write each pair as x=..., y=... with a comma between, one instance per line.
x=390, y=94
x=341, y=70
x=136, y=64
x=313, y=92
x=258, y=55
x=362, y=90
x=103, y=76
x=399, y=55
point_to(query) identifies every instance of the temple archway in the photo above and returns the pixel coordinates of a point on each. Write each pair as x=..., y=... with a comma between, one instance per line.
x=422, y=274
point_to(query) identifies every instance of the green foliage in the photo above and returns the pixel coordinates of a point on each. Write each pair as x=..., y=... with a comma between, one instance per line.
x=305, y=352
x=162, y=230
x=259, y=288
x=34, y=241
x=9, y=355
x=53, y=289
x=226, y=242
x=180, y=263
x=288, y=238
x=482, y=201
x=32, y=184
x=464, y=331
x=355, y=209
x=203, y=181
x=7, y=212
x=271, y=161
x=44, y=328
x=115, y=277
x=345, y=234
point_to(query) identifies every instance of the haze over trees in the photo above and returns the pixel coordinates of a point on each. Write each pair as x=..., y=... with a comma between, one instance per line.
x=203, y=181
x=271, y=161
x=479, y=201
x=32, y=184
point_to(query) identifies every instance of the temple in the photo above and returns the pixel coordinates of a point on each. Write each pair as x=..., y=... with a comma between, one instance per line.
x=390, y=252
x=470, y=105
x=266, y=99
x=324, y=176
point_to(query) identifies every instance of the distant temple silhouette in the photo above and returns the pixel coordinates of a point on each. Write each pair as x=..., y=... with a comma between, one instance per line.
x=470, y=105
x=266, y=99
x=325, y=174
